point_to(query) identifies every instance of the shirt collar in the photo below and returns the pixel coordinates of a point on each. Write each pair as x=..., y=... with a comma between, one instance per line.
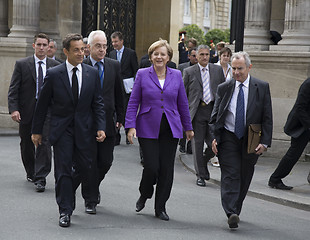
x=93, y=61
x=70, y=66
x=36, y=59
x=121, y=50
x=201, y=67
x=245, y=83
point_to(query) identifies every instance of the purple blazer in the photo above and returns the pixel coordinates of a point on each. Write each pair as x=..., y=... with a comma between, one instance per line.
x=154, y=101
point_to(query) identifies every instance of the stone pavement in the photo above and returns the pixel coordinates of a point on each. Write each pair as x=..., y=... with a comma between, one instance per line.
x=298, y=197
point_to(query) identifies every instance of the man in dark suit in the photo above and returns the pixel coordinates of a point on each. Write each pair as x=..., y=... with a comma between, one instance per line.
x=129, y=66
x=52, y=49
x=113, y=98
x=201, y=81
x=24, y=90
x=240, y=102
x=297, y=127
x=192, y=61
x=72, y=90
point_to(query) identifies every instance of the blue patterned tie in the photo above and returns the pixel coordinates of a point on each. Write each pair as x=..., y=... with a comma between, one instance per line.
x=101, y=71
x=239, y=121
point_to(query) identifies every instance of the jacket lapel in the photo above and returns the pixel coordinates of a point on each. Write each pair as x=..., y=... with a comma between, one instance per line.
x=124, y=56
x=253, y=91
x=32, y=67
x=198, y=74
x=153, y=76
x=227, y=97
x=65, y=79
x=168, y=78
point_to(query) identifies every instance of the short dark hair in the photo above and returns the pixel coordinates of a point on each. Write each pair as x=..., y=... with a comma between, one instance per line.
x=41, y=35
x=71, y=37
x=192, y=49
x=117, y=34
x=226, y=50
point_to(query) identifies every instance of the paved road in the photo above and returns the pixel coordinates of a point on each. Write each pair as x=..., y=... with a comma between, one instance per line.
x=195, y=212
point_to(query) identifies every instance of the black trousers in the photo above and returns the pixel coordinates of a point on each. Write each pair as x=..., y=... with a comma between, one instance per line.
x=237, y=169
x=291, y=157
x=72, y=166
x=159, y=155
x=37, y=162
x=100, y=168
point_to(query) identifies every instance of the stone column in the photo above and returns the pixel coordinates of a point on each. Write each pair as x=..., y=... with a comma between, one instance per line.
x=257, y=24
x=297, y=25
x=4, y=18
x=26, y=18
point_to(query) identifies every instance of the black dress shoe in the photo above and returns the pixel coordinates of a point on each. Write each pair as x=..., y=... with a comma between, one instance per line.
x=40, y=187
x=279, y=185
x=201, y=182
x=140, y=203
x=162, y=215
x=90, y=208
x=182, y=149
x=64, y=220
x=233, y=221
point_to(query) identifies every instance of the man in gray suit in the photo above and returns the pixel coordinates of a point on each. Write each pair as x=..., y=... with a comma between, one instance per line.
x=242, y=101
x=201, y=81
x=192, y=61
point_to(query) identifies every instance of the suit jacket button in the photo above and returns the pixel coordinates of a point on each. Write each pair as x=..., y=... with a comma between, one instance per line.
x=161, y=99
x=162, y=106
x=162, y=92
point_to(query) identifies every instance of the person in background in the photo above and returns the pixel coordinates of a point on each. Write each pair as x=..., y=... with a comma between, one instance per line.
x=52, y=49
x=156, y=114
x=238, y=103
x=86, y=49
x=192, y=55
x=129, y=66
x=201, y=81
x=182, y=48
x=215, y=57
x=25, y=87
x=225, y=55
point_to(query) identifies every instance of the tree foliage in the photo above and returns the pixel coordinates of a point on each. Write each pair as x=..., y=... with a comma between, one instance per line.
x=193, y=31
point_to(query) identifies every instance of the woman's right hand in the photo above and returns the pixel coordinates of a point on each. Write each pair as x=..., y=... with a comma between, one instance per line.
x=131, y=134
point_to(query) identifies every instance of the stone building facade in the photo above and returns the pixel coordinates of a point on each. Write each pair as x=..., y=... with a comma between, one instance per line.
x=285, y=66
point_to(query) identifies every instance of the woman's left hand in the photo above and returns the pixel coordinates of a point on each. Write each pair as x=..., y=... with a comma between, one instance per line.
x=189, y=134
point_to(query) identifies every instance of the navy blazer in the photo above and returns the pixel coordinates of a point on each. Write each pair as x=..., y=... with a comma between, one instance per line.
x=57, y=93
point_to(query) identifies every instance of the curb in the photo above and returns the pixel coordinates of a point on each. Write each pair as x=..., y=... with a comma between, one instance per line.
x=258, y=195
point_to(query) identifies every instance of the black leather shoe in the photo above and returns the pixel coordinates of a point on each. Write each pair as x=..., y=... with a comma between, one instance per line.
x=140, y=203
x=64, y=220
x=201, y=182
x=279, y=185
x=182, y=149
x=233, y=221
x=40, y=187
x=162, y=215
x=90, y=208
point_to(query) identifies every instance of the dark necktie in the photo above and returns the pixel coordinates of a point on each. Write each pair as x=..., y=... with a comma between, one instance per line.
x=100, y=67
x=75, y=86
x=239, y=121
x=40, y=77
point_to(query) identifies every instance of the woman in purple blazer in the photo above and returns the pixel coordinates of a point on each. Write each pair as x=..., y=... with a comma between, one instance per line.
x=156, y=112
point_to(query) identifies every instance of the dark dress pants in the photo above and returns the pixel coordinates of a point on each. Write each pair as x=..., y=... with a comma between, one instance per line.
x=43, y=155
x=37, y=162
x=100, y=168
x=72, y=166
x=291, y=157
x=202, y=135
x=237, y=169
x=159, y=155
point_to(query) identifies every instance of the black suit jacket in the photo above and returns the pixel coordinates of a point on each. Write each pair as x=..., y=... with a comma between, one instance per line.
x=259, y=110
x=112, y=94
x=57, y=93
x=129, y=62
x=298, y=120
x=22, y=90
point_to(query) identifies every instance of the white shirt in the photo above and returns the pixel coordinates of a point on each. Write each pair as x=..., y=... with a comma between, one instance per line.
x=228, y=73
x=162, y=83
x=231, y=114
x=78, y=74
x=120, y=53
x=43, y=65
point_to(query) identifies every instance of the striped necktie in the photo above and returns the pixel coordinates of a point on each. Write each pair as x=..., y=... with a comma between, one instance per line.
x=206, y=96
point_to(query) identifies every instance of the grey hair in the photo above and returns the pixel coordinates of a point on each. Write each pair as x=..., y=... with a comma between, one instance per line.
x=203, y=47
x=240, y=55
x=55, y=43
x=92, y=35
